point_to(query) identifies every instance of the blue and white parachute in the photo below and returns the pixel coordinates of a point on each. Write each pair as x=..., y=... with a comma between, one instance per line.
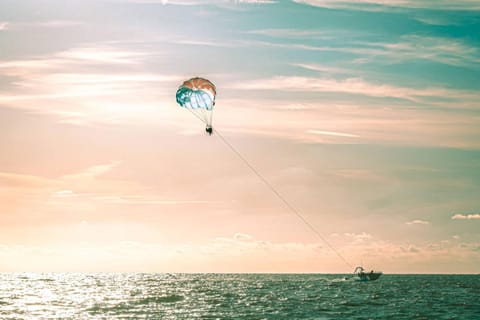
x=198, y=95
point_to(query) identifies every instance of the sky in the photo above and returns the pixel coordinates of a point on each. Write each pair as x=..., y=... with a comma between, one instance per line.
x=364, y=116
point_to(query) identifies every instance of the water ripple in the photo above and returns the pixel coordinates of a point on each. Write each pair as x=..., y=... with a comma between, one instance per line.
x=236, y=296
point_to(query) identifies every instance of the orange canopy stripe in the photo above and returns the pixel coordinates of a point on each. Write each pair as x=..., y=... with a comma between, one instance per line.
x=200, y=84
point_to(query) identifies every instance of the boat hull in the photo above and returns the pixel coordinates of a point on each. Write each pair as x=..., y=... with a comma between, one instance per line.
x=370, y=276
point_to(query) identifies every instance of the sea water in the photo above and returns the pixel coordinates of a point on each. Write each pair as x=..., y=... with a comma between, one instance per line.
x=236, y=296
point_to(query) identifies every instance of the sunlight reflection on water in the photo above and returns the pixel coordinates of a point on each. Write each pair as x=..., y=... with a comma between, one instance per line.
x=235, y=296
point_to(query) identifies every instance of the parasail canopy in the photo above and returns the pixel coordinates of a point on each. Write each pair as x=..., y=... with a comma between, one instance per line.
x=198, y=95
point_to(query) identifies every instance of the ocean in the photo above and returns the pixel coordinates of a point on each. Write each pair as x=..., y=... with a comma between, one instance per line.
x=236, y=296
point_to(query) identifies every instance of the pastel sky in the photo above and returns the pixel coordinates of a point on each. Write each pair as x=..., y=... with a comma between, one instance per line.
x=364, y=115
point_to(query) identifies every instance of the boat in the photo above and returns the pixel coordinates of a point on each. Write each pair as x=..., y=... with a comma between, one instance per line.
x=366, y=276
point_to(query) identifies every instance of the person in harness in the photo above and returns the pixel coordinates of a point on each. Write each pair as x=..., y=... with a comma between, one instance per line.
x=209, y=130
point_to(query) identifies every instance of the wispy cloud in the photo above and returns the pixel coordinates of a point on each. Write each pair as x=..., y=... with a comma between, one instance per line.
x=101, y=55
x=324, y=68
x=45, y=24
x=355, y=86
x=359, y=174
x=143, y=200
x=93, y=172
x=90, y=98
x=64, y=77
x=96, y=186
x=410, y=47
x=460, y=216
x=443, y=50
x=374, y=5
x=81, y=85
x=383, y=121
x=15, y=180
x=163, y=2
x=333, y=133
x=204, y=43
x=92, y=185
x=358, y=237
x=255, y=1
x=435, y=21
x=72, y=58
x=199, y=2
x=294, y=33
x=418, y=222
x=438, y=49
x=64, y=194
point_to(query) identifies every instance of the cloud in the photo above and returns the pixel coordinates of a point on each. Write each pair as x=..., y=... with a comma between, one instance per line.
x=15, y=180
x=438, y=49
x=374, y=121
x=358, y=236
x=204, y=43
x=101, y=55
x=408, y=48
x=333, y=133
x=241, y=252
x=356, y=4
x=324, y=68
x=242, y=237
x=86, y=98
x=420, y=222
x=60, y=23
x=79, y=96
x=249, y=245
x=410, y=249
x=85, y=193
x=293, y=33
x=465, y=216
x=64, y=194
x=359, y=174
x=435, y=21
x=91, y=184
x=163, y=2
x=45, y=24
x=255, y=1
x=75, y=58
x=94, y=171
x=449, y=51
x=383, y=5
x=444, y=50
x=199, y=2
x=355, y=86
x=144, y=200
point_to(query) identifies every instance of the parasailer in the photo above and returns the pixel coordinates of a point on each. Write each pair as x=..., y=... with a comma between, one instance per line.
x=198, y=96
